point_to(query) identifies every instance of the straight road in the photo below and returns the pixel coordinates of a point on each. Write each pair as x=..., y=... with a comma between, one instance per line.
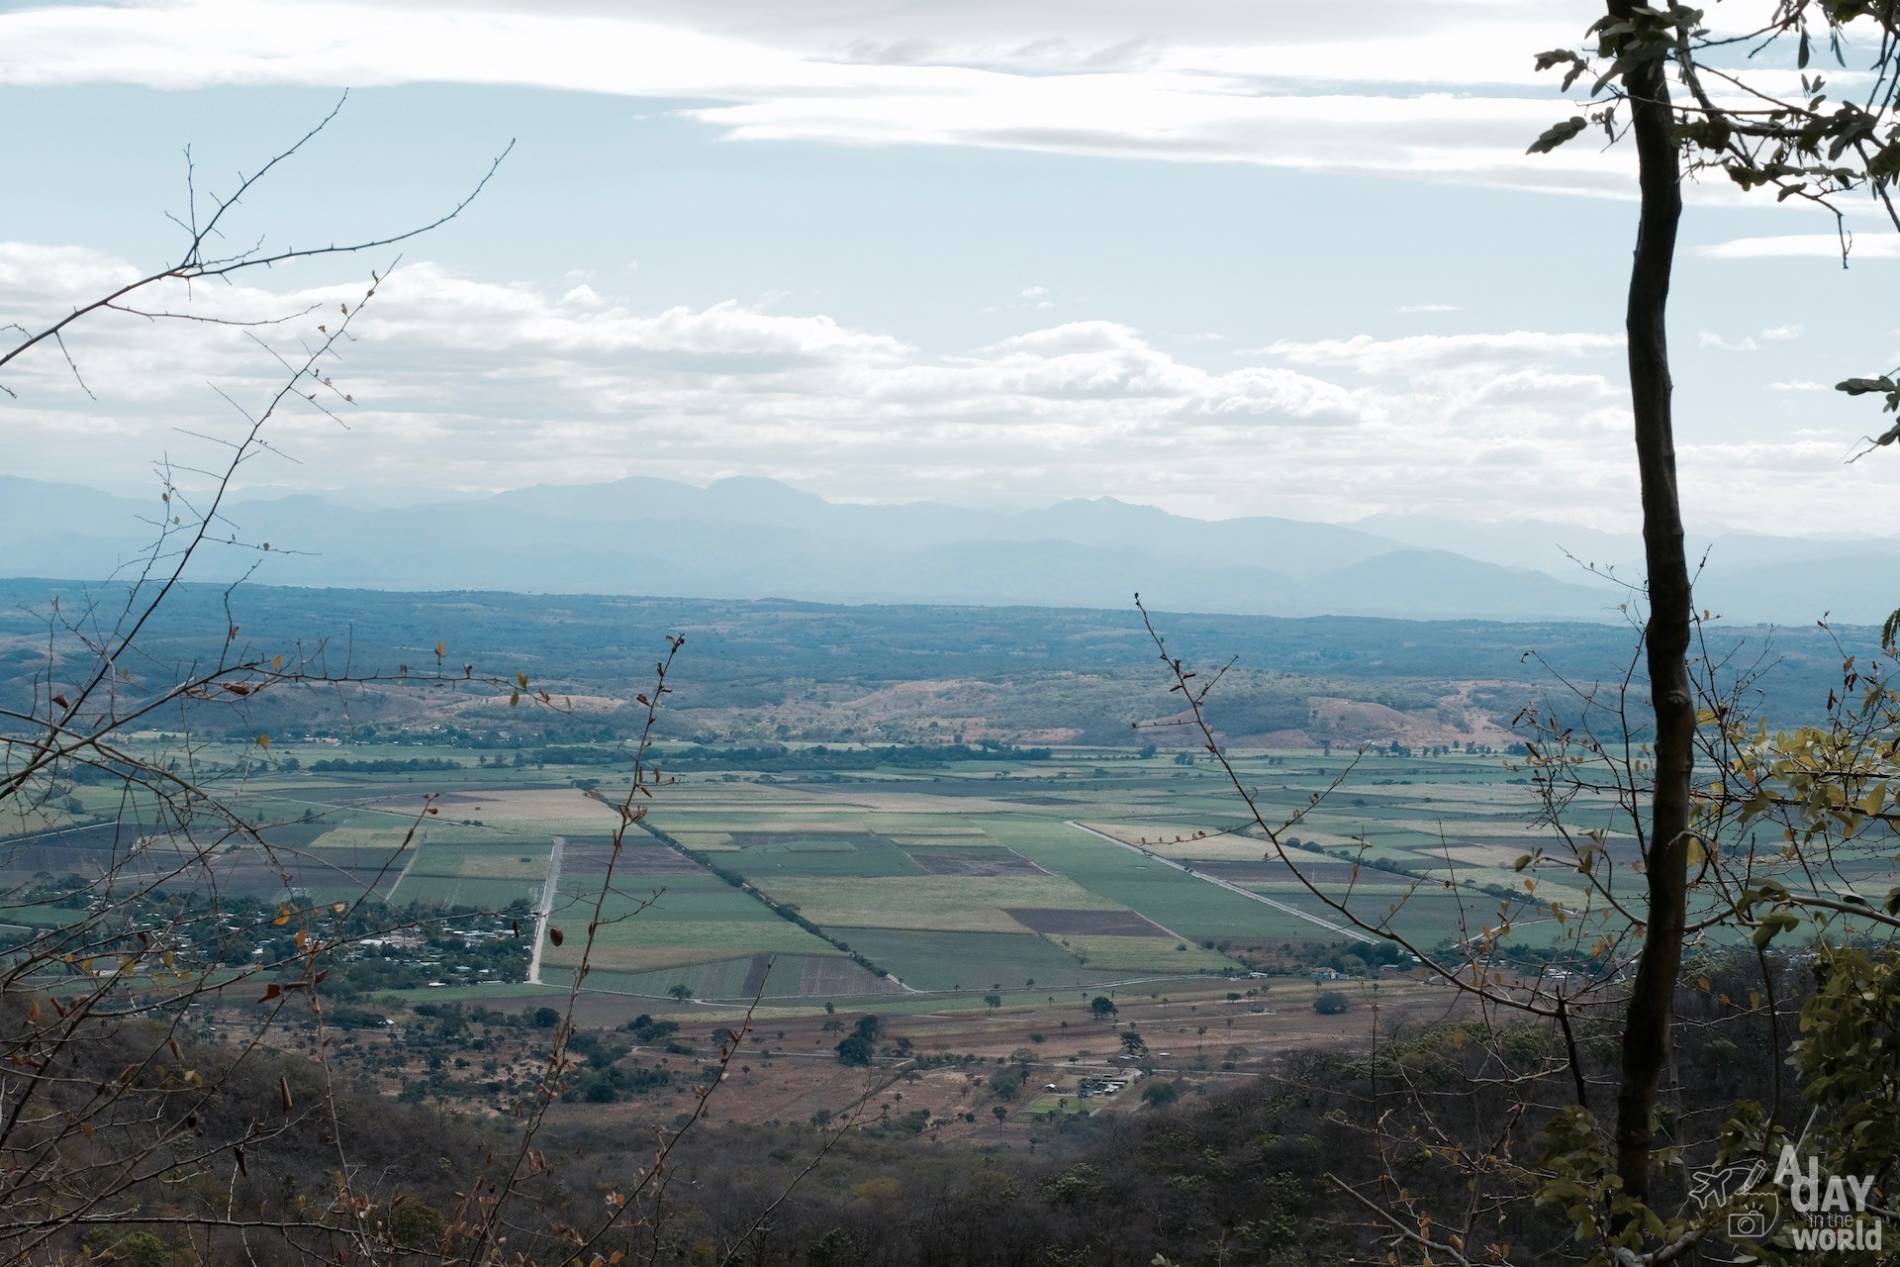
x=1340, y=930
x=548, y=891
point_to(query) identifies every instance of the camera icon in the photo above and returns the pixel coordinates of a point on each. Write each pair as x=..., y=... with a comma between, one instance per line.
x=1753, y=1216
x=1750, y=1215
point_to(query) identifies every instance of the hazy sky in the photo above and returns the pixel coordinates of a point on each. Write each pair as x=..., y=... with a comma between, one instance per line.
x=1228, y=258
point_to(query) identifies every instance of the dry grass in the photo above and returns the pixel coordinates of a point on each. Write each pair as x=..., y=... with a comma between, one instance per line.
x=543, y=809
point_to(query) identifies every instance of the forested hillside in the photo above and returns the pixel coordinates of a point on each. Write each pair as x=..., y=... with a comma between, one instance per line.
x=826, y=672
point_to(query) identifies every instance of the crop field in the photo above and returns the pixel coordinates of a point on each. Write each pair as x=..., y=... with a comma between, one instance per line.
x=972, y=961
x=669, y=921
x=935, y=884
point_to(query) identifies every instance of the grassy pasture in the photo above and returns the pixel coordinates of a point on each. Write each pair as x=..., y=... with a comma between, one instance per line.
x=1141, y=954
x=782, y=976
x=1191, y=908
x=687, y=918
x=940, y=836
x=41, y=915
x=658, y=945
x=520, y=862
x=973, y=961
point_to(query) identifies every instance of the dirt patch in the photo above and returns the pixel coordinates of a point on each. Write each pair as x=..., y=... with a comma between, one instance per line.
x=755, y=976
x=1456, y=720
x=590, y=857
x=652, y=860
x=1087, y=923
x=974, y=862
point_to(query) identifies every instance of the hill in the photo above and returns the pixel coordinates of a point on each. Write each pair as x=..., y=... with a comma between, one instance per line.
x=832, y=671
x=757, y=538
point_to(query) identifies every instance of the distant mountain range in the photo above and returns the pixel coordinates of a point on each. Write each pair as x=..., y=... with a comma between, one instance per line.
x=755, y=538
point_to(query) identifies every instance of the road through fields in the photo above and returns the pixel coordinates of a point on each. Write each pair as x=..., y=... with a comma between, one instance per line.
x=547, y=909
x=1351, y=934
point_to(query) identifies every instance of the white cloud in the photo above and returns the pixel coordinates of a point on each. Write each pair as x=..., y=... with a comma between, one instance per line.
x=1417, y=352
x=1440, y=136
x=1029, y=298
x=504, y=382
x=1797, y=385
x=1438, y=91
x=1802, y=246
x=1075, y=336
x=30, y=271
x=1464, y=42
x=518, y=321
x=1749, y=343
x=468, y=384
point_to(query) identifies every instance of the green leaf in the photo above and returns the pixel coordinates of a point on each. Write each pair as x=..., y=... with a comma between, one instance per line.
x=1862, y=386
x=1557, y=134
x=1885, y=164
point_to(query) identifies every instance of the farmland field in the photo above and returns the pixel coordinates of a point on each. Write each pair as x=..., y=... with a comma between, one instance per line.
x=947, y=883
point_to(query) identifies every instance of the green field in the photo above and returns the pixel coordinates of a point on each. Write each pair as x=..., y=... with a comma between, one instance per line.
x=970, y=961
x=913, y=883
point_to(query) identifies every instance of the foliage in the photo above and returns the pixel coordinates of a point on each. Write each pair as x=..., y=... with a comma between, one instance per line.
x=1331, y=1002
x=1159, y=1092
x=1793, y=132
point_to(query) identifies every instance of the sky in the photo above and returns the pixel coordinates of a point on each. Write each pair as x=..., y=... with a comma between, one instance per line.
x=1228, y=259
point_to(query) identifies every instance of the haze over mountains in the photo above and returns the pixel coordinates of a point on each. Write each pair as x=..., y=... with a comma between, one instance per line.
x=751, y=538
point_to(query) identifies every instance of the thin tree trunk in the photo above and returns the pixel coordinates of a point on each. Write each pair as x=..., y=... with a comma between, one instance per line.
x=1650, y=1013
